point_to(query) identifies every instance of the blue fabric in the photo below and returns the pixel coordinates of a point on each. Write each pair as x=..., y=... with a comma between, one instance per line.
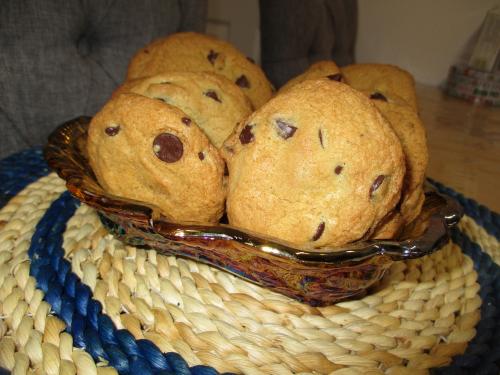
x=19, y=170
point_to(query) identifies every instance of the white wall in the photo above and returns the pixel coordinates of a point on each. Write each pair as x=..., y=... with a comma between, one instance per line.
x=425, y=37
x=422, y=36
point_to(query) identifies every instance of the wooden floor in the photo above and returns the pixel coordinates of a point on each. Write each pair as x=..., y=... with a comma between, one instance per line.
x=464, y=145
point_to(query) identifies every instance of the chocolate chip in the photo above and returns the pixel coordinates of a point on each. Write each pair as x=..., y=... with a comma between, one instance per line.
x=319, y=231
x=201, y=155
x=226, y=170
x=285, y=129
x=186, y=121
x=242, y=81
x=335, y=77
x=146, y=51
x=212, y=56
x=376, y=184
x=378, y=96
x=250, y=59
x=320, y=135
x=112, y=130
x=168, y=148
x=212, y=94
x=246, y=135
x=338, y=169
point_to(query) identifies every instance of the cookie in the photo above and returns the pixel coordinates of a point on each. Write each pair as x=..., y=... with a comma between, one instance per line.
x=213, y=102
x=389, y=227
x=143, y=149
x=316, y=166
x=195, y=52
x=317, y=70
x=394, y=224
x=411, y=133
x=383, y=82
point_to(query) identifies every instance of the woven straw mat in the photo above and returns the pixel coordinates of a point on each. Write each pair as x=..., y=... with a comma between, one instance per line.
x=422, y=314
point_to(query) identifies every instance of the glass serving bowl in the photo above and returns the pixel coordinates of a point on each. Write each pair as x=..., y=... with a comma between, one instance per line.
x=318, y=277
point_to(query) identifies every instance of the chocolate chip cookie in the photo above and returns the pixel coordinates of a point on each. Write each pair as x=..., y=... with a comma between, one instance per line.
x=195, y=52
x=317, y=70
x=144, y=149
x=382, y=82
x=316, y=166
x=389, y=227
x=213, y=102
x=411, y=133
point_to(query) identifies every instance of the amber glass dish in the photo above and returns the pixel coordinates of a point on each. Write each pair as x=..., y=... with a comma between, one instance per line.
x=317, y=277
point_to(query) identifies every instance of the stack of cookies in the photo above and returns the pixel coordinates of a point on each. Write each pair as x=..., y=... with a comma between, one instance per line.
x=335, y=156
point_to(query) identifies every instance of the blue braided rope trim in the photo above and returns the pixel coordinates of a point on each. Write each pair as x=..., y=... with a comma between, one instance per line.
x=483, y=352
x=72, y=301
x=19, y=170
x=482, y=215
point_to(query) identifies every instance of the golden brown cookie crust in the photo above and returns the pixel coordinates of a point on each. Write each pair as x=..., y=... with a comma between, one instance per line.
x=387, y=80
x=411, y=133
x=147, y=150
x=389, y=227
x=316, y=166
x=213, y=102
x=317, y=70
x=189, y=51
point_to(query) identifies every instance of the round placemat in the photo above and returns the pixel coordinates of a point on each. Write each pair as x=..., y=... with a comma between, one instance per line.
x=75, y=300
